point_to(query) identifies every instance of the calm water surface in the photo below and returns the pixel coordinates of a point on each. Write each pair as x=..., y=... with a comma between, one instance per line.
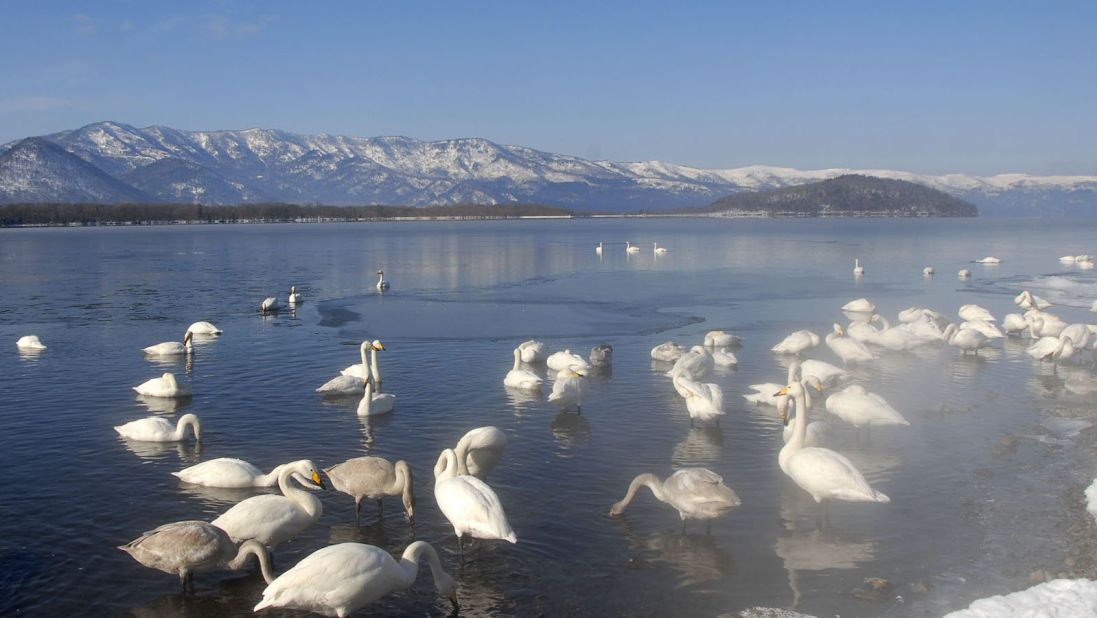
x=970, y=515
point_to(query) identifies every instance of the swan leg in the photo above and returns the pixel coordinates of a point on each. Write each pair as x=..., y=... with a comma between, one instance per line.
x=357, y=508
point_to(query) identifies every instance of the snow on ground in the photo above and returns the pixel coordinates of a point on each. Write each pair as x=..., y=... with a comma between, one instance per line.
x=1091, y=499
x=1061, y=598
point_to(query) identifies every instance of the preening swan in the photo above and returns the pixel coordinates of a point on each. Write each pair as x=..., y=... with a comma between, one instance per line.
x=630, y=248
x=171, y=348
x=703, y=401
x=1053, y=349
x=375, y=404
x=659, y=250
x=857, y=268
x=374, y=478
x=160, y=429
x=601, y=355
x=30, y=342
x=1014, y=323
x=1027, y=300
x=294, y=297
x=272, y=519
x=669, y=351
x=184, y=548
x=821, y=472
x=860, y=305
x=1044, y=324
x=203, y=328
x=469, y=504
x=695, y=364
x=848, y=349
x=1079, y=334
x=860, y=408
x=363, y=369
x=382, y=285
x=564, y=360
x=696, y=493
x=533, y=351
x=479, y=450
x=164, y=386
x=269, y=305
x=968, y=340
x=337, y=580
x=520, y=378
x=988, y=260
x=722, y=339
x=989, y=330
x=228, y=472
x=797, y=343
x=975, y=312
x=723, y=358
x=342, y=385
x=567, y=390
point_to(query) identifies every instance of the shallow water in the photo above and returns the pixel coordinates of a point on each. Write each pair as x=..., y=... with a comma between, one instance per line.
x=968, y=516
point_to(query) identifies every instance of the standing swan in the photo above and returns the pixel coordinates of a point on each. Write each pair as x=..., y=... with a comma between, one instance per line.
x=160, y=429
x=164, y=386
x=479, y=450
x=382, y=285
x=469, y=504
x=272, y=519
x=184, y=548
x=228, y=472
x=172, y=348
x=521, y=378
x=337, y=580
x=374, y=478
x=696, y=493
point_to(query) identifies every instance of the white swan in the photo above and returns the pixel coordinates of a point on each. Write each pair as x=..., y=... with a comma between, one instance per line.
x=857, y=268
x=695, y=364
x=1079, y=334
x=1044, y=324
x=863, y=330
x=203, y=328
x=533, y=351
x=1053, y=349
x=704, y=401
x=723, y=358
x=601, y=355
x=1093, y=307
x=696, y=493
x=469, y=504
x=184, y=548
x=30, y=342
x=269, y=305
x=828, y=374
x=631, y=248
x=294, y=297
x=659, y=250
x=669, y=351
x=339, y=579
x=823, y=473
x=797, y=343
x=342, y=385
x=520, y=378
x=479, y=450
x=363, y=369
x=849, y=350
x=567, y=390
x=859, y=305
x=374, y=478
x=228, y=472
x=273, y=519
x=964, y=273
x=171, y=348
x=968, y=340
x=988, y=260
x=1014, y=323
x=564, y=360
x=164, y=386
x=382, y=285
x=976, y=312
x=989, y=330
x=160, y=429
x=1027, y=300
x=598, y=249
x=375, y=404
x=860, y=408
x=766, y=392
x=816, y=429
x=722, y=339
x=927, y=271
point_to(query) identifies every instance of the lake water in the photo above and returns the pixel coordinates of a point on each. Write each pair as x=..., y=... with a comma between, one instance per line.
x=985, y=484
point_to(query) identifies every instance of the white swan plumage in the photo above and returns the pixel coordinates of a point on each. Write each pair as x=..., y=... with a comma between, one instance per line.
x=976, y=312
x=365, y=368
x=567, y=390
x=797, y=343
x=203, y=328
x=723, y=358
x=342, y=385
x=374, y=478
x=631, y=248
x=164, y=386
x=228, y=472
x=816, y=431
x=860, y=408
x=704, y=401
x=294, y=297
x=479, y=450
x=857, y=268
x=30, y=342
x=559, y=361
x=186, y=547
x=696, y=493
x=859, y=305
x=598, y=249
x=1014, y=323
x=270, y=304
x=695, y=364
x=533, y=351
x=520, y=378
x=382, y=285
x=274, y=519
x=171, y=348
x=989, y=330
x=659, y=250
x=375, y=404
x=990, y=259
x=722, y=339
x=1053, y=349
x=828, y=374
x=669, y=351
x=766, y=392
x=470, y=505
x=964, y=273
x=968, y=340
x=160, y=429
x=927, y=271
x=848, y=349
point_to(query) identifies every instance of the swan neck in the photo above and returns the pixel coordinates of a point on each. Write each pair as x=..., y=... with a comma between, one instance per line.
x=181, y=426
x=461, y=453
x=446, y=467
x=409, y=563
x=362, y=354
x=647, y=479
x=271, y=478
x=375, y=368
x=253, y=548
x=301, y=497
x=403, y=484
x=800, y=430
x=884, y=321
x=366, y=405
x=517, y=359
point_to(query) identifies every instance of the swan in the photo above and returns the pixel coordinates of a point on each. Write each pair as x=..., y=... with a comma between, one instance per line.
x=374, y=478
x=598, y=249
x=563, y=360
x=990, y=331
x=1027, y=300
x=971, y=313
x=696, y=493
x=203, y=328
x=860, y=408
x=723, y=358
x=30, y=342
x=366, y=368
x=184, y=548
x=601, y=355
x=764, y=392
x=171, y=348
x=857, y=268
x=160, y=429
x=968, y=340
x=382, y=285
x=294, y=297
x=269, y=305
x=339, y=579
x=164, y=386
x=659, y=250
x=273, y=519
x=523, y=379
x=567, y=390
x=860, y=305
x=533, y=351
x=470, y=505
x=228, y=472
x=828, y=374
x=988, y=260
x=669, y=351
x=375, y=404
x=821, y=472
x=695, y=364
x=1043, y=324
x=849, y=350
x=927, y=271
x=964, y=273
x=911, y=314
x=816, y=429
x=630, y=248
x=722, y=339
x=897, y=338
x=1053, y=349
x=863, y=330
x=1067, y=259
x=479, y=450
x=342, y=385
x=1014, y=323
x=703, y=401
x=797, y=343
x=1079, y=334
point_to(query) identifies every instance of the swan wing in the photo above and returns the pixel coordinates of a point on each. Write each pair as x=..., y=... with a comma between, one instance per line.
x=826, y=474
x=699, y=491
x=472, y=506
x=334, y=580
x=191, y=545
x=268, y=519
x=343, y=384
x=152, y=429
x=221, y=472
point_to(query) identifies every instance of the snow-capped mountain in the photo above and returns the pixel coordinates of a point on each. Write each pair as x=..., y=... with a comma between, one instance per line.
x=255, y=165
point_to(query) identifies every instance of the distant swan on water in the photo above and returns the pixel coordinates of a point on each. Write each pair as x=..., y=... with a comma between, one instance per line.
x=631, y=248
x=30, y=342
x=659, y=250
x=857, y=268
x=382, y=285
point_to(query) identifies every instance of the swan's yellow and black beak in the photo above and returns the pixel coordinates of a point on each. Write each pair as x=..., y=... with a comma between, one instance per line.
x=781, y=393
x=379, y=346
x=316, y=479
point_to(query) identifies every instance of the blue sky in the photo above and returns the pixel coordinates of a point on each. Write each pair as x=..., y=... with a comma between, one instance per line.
x=976, y=87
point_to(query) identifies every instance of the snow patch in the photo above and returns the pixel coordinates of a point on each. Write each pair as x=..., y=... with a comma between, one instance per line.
x=1061, y=598
x=1091, y=499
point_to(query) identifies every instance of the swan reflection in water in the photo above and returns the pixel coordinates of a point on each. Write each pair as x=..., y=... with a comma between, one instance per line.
x=522, y=400
x=188, y=452
x=392, y=533
x=234, y=595
x=695, y=557
x=569, y=430
x=702, y=445
x=369, y=425
x=30, y=354
x=966, y=367
x=223, y=496
x=163, y=405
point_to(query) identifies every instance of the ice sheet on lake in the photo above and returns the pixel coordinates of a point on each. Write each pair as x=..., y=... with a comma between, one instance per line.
x=1061, y=598
x=1091, y=499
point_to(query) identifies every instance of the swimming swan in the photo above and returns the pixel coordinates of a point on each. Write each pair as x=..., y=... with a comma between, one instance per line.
x=30, y=342
x=228, y=472
x=184, y=548
x=479, y=450
x=601, y=355
x=975, y=312
x=564, y=360
x=294, y=297
x=797, y=343
x=659, y=250
x=567, y=390
x=365, y=369
x=722, y=339
x=523, y=379
x=382, y=285
x=848, y=349
x=988, y=260
x=160, y=429
x=533, y=351
x=273, y=519
x=631, y=248
x=375, y=404
x=171, y=348
x=860, y=305
x=857, y=268
x=470, y=505
x=269, y=305
x=696, y=493
x=342, y=385
x=203, y=328
x=164, y=386
x=695, y=364
x=860, y=408
x=337, y=580
x=669, y=351
x=374, y=478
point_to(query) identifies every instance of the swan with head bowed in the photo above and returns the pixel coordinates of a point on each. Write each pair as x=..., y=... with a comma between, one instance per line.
x=704, y=401
x=520, y=378
x=964, y=273
x=270, y=304
x=160, y=429
x=184, y=548
x=722, y=339
x=338, y=580
x=382, y=285
x=797, y=343
x=1043, y=324
x=470, y=505
x=567, y=390
x=668, y=352
x=976, y=312
x=848, y=349
x=479, y=450
x=1027, y=300
x=30, y=342
x=860, y=305
x=860, y=408
x=1079, y=334
x=228, y=472
x=171, y=348
x=696, y=493
x=374, y=478
x=533, y=351
x=375, y=404
x=989, y=330
x=822, y=473
x=968, y=340
x=1014, y=323
x=927, y=271
x=164, y=386
x=559, y=361
x=273, y=519
x=1054, y=349
x=203, y=328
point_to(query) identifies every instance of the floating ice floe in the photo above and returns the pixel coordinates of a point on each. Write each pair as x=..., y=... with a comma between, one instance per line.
x=1060, y=598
